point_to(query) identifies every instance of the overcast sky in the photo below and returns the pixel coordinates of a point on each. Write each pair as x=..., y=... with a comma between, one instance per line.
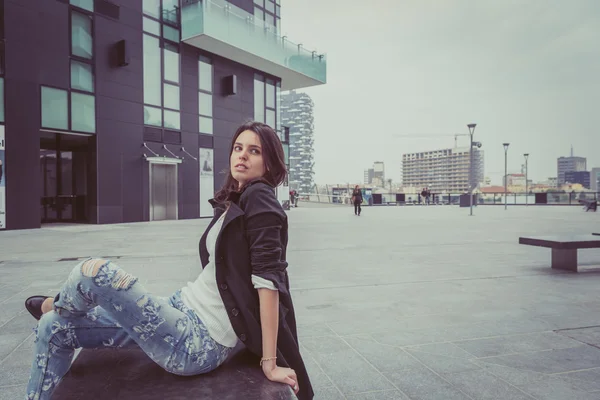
x=406, y=75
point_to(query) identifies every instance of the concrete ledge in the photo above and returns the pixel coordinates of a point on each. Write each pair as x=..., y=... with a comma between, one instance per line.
x=131, y=374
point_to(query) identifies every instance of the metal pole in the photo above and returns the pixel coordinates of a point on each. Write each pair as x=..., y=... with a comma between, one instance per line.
x=505, y=176
x=471, y=132
x=526, y=155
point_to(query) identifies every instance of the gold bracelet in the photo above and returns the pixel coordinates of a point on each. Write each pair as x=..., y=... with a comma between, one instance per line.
x=266, y=359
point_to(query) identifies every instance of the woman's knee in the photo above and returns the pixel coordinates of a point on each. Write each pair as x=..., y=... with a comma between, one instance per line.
x=104, y=273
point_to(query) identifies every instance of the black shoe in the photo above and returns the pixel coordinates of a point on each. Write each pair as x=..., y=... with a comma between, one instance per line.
x=34, y=305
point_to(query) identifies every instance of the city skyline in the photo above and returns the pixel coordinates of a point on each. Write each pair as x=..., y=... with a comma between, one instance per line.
x=418, y=72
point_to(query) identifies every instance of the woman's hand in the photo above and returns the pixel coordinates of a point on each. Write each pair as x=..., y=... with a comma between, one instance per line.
x=283, y=375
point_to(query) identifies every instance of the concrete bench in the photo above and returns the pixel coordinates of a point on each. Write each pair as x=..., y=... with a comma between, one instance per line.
x=564, y=248
x=130, y=374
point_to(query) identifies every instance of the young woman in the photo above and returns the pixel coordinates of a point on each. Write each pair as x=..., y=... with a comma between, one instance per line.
x=357, y=199
x=242, y=294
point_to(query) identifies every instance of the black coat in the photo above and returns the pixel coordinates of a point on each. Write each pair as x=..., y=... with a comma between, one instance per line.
x=253, y=240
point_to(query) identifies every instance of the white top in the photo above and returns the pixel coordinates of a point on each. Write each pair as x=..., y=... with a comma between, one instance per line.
x=204, y=298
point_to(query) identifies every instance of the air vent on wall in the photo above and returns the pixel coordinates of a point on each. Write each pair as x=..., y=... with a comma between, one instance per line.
x=107, y=9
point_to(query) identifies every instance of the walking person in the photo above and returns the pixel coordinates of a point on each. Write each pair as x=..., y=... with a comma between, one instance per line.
x=242, y=294
x=357, y=199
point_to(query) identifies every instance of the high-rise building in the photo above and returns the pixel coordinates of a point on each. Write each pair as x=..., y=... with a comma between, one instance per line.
x=580, y=177
x=130, y=114
x=442, y=171
x=379, y=171
x=595, y=179
x=369, y=174
x=297, y=114
x=569, y=164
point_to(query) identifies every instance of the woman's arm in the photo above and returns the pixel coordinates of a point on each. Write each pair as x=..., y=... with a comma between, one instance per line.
x=269, y=321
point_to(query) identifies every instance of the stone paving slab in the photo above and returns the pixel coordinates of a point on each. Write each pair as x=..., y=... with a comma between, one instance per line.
x=400, y=303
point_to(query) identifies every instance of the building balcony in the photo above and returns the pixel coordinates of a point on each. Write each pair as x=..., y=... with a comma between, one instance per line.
x=221, y=28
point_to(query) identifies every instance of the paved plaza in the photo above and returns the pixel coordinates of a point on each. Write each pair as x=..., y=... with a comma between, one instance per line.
x=399, y=303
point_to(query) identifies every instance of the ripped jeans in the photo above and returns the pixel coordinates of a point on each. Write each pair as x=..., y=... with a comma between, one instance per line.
x=101, y=306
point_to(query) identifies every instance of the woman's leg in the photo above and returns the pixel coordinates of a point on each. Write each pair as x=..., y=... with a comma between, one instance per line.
x=165, y=329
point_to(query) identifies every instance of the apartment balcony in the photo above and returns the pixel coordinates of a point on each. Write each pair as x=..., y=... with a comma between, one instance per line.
x=221, y=28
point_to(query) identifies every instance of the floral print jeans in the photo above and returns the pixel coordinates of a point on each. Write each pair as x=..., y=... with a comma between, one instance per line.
x=100, y=306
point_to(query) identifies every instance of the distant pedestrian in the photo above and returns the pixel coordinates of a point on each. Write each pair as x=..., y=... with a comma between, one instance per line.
x=357, y=199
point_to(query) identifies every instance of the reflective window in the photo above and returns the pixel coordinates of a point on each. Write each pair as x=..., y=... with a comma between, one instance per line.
x=152, y=8
x=82, y=77
x=85, y=4
x=205, y=76
x=206, y=106
x=169, y=13
x=83, y=112
x=171, y=65
x=1, y=99
x=171, y=34
x=81, y=35
x=270, y=118
x=270, y=6
x=151, y=26
x=152, y=74
x=270, y=94
x=152, y=116
x=172, y=120
x=206, y=125
x=259, y=100
x=54, y=108
x=171, y=96
x=259, y=2
x=259, y=17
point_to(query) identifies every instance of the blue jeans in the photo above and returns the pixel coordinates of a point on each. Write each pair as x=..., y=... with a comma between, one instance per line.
x=107, y=307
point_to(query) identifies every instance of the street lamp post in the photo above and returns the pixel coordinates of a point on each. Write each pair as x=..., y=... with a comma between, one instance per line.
x=526, y=155
x=505, y=175
x=471, y=132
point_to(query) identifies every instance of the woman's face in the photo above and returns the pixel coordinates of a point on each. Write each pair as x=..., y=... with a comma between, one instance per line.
x=246, y=161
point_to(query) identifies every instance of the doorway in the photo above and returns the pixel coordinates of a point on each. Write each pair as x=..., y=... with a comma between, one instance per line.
x=163, y=191
x=64, y=172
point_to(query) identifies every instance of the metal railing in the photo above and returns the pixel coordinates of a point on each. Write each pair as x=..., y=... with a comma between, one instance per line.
x=512, y=199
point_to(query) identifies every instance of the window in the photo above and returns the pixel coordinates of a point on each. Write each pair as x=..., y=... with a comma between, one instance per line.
x=205, y=102
x=205, y=75
x=152, y=73
x=171, y=96
x=171, y=34
x=151, y=26
x=172, y=120
x=267, y=14
x=206, y=106
x=152, y=116
x=81, y=35
x=171, y=65
x=152, y=8
x=85, y=4
x=82, y=77
x=54, y=108
x=83, y=112
x=259, y=98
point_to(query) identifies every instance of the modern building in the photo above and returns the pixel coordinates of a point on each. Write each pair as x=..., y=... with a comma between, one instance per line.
x=442, y=171
x=297, y=115
x=580, y=177
x=378, y=173
x=515, y=180
x=569, y=164
x=595, y=179
x=123, y=110
x=369, y=174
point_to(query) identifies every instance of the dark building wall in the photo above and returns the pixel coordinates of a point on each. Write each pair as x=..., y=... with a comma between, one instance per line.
x=119, y=117
x=36, y=52
x=581, y=177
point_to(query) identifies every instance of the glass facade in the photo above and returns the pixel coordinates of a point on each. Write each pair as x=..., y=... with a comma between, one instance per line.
x=55, y=108
x=205, y=93
x=81, y=35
